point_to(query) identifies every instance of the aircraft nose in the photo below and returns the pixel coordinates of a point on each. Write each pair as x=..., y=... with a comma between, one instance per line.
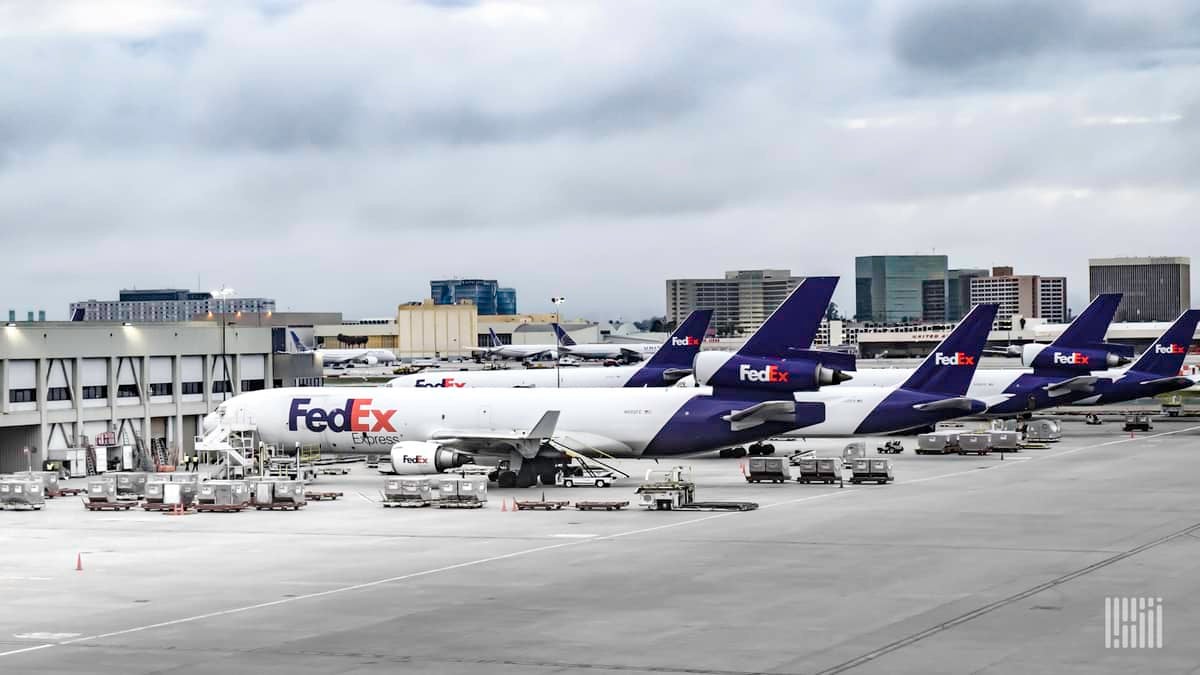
x=210, y=422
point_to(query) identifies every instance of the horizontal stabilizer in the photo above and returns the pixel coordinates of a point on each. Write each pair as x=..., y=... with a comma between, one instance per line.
x=1178, y=381
x=676, y=374
x=964, y=403
x=1084, y=384
x=761, y=413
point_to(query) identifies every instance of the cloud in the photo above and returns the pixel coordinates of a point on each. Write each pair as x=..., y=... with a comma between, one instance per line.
x=338, y=155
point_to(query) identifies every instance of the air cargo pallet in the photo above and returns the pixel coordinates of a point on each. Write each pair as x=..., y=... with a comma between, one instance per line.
x=222, y=508
x=596, y=506
x=765, y=478
x=979, y=451
x=109, y=506
x=407, y=503
x=881, y=480
x=334, y=471
x=823, y=481
x=71, y=492
x=321, y=496
x=18, y=507
x=542, y=505
x=458, y=504
x=279, y=506
x=717, y=506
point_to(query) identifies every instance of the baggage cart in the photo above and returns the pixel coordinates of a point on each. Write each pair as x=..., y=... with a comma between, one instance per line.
x=975, y=444
x=827, y=470
x=407, y=491
x=773, y=469
x=19, y=493
x=875, y=470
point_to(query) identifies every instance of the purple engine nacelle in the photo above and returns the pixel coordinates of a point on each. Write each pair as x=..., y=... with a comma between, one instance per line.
x=802, y=370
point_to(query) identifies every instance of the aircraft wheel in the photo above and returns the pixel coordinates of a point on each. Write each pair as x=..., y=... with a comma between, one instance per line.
x=548, y=475
x=755, y=449
x=767, y=449
x=506, y=479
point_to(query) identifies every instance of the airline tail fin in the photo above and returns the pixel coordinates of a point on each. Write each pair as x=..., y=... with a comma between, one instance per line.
x=1088, y=329
x=300, y=346
x=681, y=348
x=495, y=339
x=950, y=367
x=794, y=323
x=1165, y=356
x=561, y=336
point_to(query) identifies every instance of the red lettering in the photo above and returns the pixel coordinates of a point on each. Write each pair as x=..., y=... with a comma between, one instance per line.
x=358, y=414
x=383, y=420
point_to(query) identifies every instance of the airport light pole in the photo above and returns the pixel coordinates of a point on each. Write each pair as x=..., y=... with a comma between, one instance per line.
x=558, y=301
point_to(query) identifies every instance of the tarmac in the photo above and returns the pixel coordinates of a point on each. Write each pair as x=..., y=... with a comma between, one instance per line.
x=964, y=564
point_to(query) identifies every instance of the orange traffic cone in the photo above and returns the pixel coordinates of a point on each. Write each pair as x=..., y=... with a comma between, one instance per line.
x=78, y=562
x=742, y=466
x=504, y=505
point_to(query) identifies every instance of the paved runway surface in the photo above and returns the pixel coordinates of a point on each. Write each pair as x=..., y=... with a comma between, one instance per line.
x=966, y=564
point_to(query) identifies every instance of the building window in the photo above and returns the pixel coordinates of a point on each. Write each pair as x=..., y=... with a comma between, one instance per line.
x=253, y=385
x=127, y=391
x=222, y=387
x=192, y=388
x=22, y=395
x=161, y=389
x=94, y=392
x=58, y=394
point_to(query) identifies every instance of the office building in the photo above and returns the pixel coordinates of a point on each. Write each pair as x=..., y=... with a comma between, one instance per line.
x=958, y=292
x=486, y=294
x=740, y=301
x=894, y=289
x=1155, y=289
x=164, y=305
x=68, y=385
x=1027, y=295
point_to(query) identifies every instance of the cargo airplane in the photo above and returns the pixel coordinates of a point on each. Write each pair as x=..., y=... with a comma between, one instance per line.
x=528, y=432
x=343, y=357
x=604, y=350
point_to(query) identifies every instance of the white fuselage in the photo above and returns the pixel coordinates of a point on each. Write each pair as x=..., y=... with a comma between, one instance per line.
x=522, y=377
x=340, y=356
x=611, y=350
x=522, y=351
x=619, y=422
x=846, y=407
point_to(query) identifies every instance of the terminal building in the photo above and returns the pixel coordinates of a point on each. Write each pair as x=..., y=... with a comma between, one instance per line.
x=740, y=301
x=1028, y=295
x=67, y=385
x=1155, y=289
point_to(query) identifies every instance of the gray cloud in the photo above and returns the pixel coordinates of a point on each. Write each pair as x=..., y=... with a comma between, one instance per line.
x=566, y=149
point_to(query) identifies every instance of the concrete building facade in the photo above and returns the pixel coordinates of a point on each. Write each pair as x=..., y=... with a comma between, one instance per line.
x=164, y=304
x=740, y=301
x=65, y=384
x=1154, y=288
x=1027, y=295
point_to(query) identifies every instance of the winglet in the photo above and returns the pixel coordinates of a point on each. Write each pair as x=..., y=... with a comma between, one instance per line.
x=950, y=366
x=544, y=428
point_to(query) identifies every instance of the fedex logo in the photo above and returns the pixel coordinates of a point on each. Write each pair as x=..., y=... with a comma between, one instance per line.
x=1072, y=359
x=414, y=459
x=1169, y=349
x=446, y=382
x=358, y=415
x=688, y=341
x=955, y=359
x=770, y=373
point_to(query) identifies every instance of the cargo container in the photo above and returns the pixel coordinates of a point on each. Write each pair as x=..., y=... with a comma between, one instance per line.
x=938, y=443
x=131, y=483
x=49, y=480
x=18, y=493
x=461, y=491
x=1005, y=441
x=975, y=444
x=224, y=493
x=408, y=491
x=872, y=471
x=826, y=470
x=1043, y=431
x=102, y=489
x=774, y=469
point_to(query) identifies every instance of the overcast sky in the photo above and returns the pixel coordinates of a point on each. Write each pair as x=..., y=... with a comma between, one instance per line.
x=338, y=155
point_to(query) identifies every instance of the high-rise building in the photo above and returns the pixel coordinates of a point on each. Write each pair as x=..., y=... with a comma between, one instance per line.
x=958, y=292
x=485, y=294
x=1154, y=288
x=1028, y=295
x=740, y=301
x=900, y=288
x=164, y=304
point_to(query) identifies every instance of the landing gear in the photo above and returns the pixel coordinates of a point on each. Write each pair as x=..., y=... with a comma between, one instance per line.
x=763, y=449
x=732, y=453
x=506, y=479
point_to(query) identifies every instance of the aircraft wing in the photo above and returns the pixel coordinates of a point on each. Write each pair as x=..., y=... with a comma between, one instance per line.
x=481, y=440
x=761, y=413
x=1084, y=384
x=338, y=359
x=963, y=403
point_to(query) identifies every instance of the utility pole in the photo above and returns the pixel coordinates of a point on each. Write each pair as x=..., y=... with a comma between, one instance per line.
x=558, y=301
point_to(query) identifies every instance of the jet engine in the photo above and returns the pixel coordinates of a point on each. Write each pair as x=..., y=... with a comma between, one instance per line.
x=1084, y=359
x=370, y=360
x=802, y=370
x=414, y=458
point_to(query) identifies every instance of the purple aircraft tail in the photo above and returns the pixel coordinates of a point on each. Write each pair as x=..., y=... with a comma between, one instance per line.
x=673, y=361
x=493, y=338
x=561, y=335
x=794, y=323
x=949, y=368
x=1165, y=357
x=1088, y=329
